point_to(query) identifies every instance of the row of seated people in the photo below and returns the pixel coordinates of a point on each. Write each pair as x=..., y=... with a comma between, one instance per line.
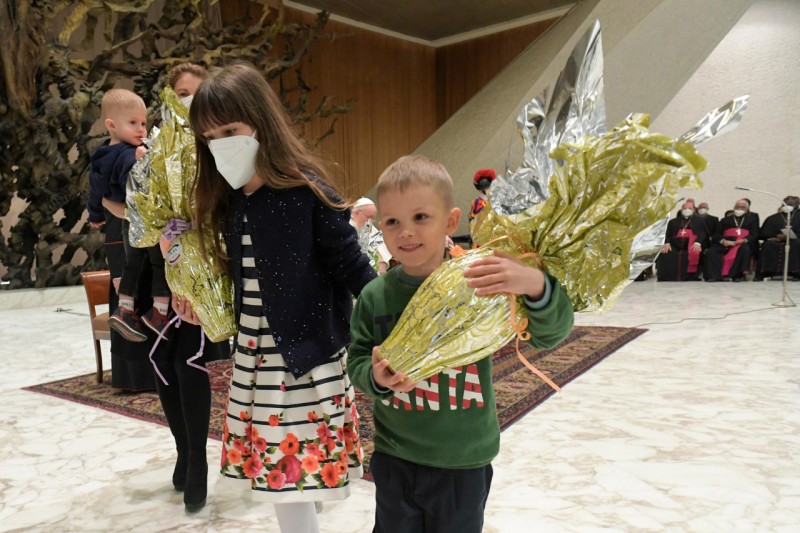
x=697, y=243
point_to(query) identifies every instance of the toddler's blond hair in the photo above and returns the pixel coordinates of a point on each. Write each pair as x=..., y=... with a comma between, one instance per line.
x=417, y=170
x=119, y=99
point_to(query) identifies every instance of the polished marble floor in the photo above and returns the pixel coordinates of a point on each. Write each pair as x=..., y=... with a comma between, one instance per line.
x=694, y=426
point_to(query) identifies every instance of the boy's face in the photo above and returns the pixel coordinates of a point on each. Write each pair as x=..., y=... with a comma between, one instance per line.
x=127, y=125
x=415, y=223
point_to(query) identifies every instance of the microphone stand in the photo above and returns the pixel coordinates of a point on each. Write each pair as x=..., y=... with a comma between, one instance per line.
x=785, y=300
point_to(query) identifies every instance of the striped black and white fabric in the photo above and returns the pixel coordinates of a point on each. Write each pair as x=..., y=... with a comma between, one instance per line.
x=294, y=439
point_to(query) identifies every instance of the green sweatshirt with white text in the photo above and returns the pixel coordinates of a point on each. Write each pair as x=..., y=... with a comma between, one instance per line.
x=450, y=419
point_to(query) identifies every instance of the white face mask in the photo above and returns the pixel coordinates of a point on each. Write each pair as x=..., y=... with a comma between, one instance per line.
x=235, y=158
x=702, y=211
x=739, y=212
x=687, y=213
x=787, y=208
x=187, y=100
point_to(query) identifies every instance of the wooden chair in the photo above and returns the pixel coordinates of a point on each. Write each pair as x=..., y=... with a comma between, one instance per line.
x=97, y=286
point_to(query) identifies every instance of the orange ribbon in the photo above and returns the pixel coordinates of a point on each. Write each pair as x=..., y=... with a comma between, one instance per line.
x=520, y=326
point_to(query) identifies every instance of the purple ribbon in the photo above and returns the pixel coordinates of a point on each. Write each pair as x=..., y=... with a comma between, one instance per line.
x=191, y=361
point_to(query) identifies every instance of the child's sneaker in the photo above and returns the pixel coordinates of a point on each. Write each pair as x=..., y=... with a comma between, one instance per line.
x=156, y=321
x=127, y=324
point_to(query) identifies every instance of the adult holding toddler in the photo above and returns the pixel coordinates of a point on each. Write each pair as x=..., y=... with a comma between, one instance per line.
x=186, y=395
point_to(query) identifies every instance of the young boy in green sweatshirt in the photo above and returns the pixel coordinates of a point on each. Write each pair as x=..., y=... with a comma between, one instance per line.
x=435, y=440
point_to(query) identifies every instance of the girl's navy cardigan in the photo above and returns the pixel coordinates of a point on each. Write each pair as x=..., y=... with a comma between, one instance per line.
x=309, y=268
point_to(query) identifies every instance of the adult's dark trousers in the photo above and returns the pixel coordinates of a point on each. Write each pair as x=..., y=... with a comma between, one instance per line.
x=186, y=401
x=135, y=260
x=413, y=498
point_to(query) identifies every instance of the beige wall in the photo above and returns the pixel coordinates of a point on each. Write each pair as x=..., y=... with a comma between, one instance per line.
x=759, y=57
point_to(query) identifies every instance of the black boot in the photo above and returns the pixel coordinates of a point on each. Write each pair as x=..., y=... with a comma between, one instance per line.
x=170, y=396
x=194, y=495
x=179, y=474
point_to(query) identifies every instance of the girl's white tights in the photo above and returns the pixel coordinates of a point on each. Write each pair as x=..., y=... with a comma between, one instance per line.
x=297, y=517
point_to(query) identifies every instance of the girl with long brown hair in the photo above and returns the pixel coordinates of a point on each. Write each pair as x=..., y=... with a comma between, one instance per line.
x=282, y=227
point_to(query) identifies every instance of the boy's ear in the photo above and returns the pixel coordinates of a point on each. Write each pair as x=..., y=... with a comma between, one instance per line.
x=452, y=220
x=109, y=124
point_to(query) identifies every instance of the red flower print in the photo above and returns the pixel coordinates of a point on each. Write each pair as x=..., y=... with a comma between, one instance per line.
x=274, y=420
x=329, y=475
x=312, y=449
x=244, y=416
x=337, y=399
x=253, y=467
x=289, y=445
x=353, y=412
x=225, y=428
x=323, y=432
x=223, y=460
x=310, y=463
x=322, y=456
x=341, y=468
x=234, y=456
x=347, y=401
x=312, y=416
x=238, y=444
x=348, y=445
x=331, y=445
x=283, y=387
x=289, y=465
x=276, y=479
x=260, y=444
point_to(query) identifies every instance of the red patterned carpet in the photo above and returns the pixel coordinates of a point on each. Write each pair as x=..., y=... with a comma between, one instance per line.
x=516, y=388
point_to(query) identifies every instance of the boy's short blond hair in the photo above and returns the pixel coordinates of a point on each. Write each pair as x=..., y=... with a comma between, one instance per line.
x=417, y=170
x=119, y=99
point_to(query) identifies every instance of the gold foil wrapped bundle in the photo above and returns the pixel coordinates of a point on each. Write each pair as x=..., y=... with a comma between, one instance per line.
x=446, y=325
x=168, y=196
x=607, y=190
x=588, y=202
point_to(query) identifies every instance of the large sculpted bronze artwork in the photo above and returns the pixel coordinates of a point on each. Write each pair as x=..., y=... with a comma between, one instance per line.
x=58, y=57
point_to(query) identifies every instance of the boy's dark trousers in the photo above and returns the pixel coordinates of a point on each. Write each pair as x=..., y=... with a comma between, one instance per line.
x=134, y=261
x=413, y=498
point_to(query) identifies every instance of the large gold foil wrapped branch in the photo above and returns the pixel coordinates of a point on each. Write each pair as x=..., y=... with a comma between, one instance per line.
x=606, y=190
x=587, y=201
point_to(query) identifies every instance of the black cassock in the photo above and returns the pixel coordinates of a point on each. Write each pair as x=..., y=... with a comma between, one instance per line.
x=682, y=263
x=722, y=262
x=770, y=262
x=711, y=223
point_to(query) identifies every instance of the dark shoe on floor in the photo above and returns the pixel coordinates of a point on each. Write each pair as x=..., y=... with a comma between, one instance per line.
x=194, y=494
x=179, y=474
x=156, y=321
x=127, y=324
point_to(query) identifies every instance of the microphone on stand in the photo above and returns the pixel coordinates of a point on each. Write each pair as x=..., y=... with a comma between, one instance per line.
x=785, y=297
x=762, y=192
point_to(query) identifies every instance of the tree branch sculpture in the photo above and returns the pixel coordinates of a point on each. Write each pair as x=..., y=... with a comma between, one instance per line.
x=54, y=74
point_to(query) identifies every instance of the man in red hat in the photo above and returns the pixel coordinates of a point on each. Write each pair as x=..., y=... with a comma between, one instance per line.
x=482, y=180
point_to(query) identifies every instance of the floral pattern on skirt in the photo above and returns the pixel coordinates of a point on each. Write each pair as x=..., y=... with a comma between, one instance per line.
x=293, y=439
